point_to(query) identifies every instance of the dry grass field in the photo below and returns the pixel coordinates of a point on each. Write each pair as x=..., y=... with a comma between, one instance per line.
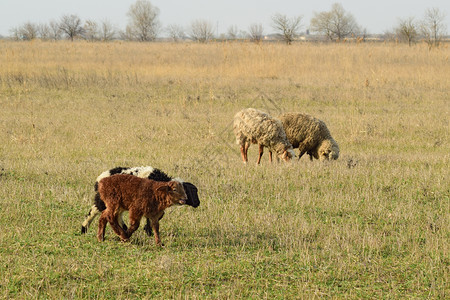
x=373, y=224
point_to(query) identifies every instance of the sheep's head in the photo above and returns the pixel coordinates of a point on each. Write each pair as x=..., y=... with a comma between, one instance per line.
x=328, y=150
x=174, y=191
x=287, y=154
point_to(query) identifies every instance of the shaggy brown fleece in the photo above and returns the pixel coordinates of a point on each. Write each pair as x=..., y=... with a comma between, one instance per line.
x=141, y=197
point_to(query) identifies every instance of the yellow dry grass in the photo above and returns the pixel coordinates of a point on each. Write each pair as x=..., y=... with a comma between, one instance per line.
x=373, y=224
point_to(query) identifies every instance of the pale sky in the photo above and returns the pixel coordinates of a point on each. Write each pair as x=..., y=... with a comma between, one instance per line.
x=376, y=16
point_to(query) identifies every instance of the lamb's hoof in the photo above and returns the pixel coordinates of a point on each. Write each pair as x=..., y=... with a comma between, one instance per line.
x=83, y=229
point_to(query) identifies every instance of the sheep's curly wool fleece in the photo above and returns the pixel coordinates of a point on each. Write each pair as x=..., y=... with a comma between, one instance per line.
x=255, y=126
x=310, y=135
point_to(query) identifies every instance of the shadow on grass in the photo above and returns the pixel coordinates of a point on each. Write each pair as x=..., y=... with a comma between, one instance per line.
x=211, y=238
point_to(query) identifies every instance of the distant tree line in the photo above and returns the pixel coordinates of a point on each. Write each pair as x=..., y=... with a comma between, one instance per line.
x=337, y=24
x=430, y=29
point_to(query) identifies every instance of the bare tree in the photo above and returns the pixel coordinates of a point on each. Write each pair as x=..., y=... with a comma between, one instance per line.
x=27, y=31
x=15, y=33
x=232, y=32
x=407, y=30
x=70, y=25
x=54, y=30
x=43, y=31
x=432, y=28
x=126, y=35
x=90, y=31
x=175, y=32
x=107, y=32
x=335, y=24
x=289, y=29
x=255, y=32
x=201, y=31
x=143, y=21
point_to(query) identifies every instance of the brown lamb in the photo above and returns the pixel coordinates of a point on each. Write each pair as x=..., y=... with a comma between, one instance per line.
x=140, y=197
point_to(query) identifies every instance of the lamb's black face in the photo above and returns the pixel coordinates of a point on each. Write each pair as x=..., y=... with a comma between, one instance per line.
x=191, y=192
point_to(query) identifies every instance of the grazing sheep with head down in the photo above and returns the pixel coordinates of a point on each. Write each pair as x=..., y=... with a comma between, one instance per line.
x=310, y=135
x=143, y=172
x=252, y=126
x=140, y=197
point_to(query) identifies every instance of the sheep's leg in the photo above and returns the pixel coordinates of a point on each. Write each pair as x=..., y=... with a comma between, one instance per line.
x=101, y=226
x=247, y=145
x=270, y=156
x=301, y=154
x=301, y=150
x=90, y=217
x=261, y=152
x=244, y=151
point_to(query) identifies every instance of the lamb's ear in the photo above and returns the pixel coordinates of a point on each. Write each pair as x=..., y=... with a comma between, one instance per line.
x=163, y=189
x=173, y=185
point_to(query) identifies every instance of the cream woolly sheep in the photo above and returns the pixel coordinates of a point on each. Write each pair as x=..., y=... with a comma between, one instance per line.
x=310, y=135
x=257, y=127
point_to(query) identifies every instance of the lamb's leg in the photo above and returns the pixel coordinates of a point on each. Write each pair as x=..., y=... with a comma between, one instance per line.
x=101, y=226
x=121, y=222
x=89, y=218
x=270, y=156
x=261, y=152
x=155, y=227
x=113, y=220
x=148, y=225
x=135, y=220
x=134, y=225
